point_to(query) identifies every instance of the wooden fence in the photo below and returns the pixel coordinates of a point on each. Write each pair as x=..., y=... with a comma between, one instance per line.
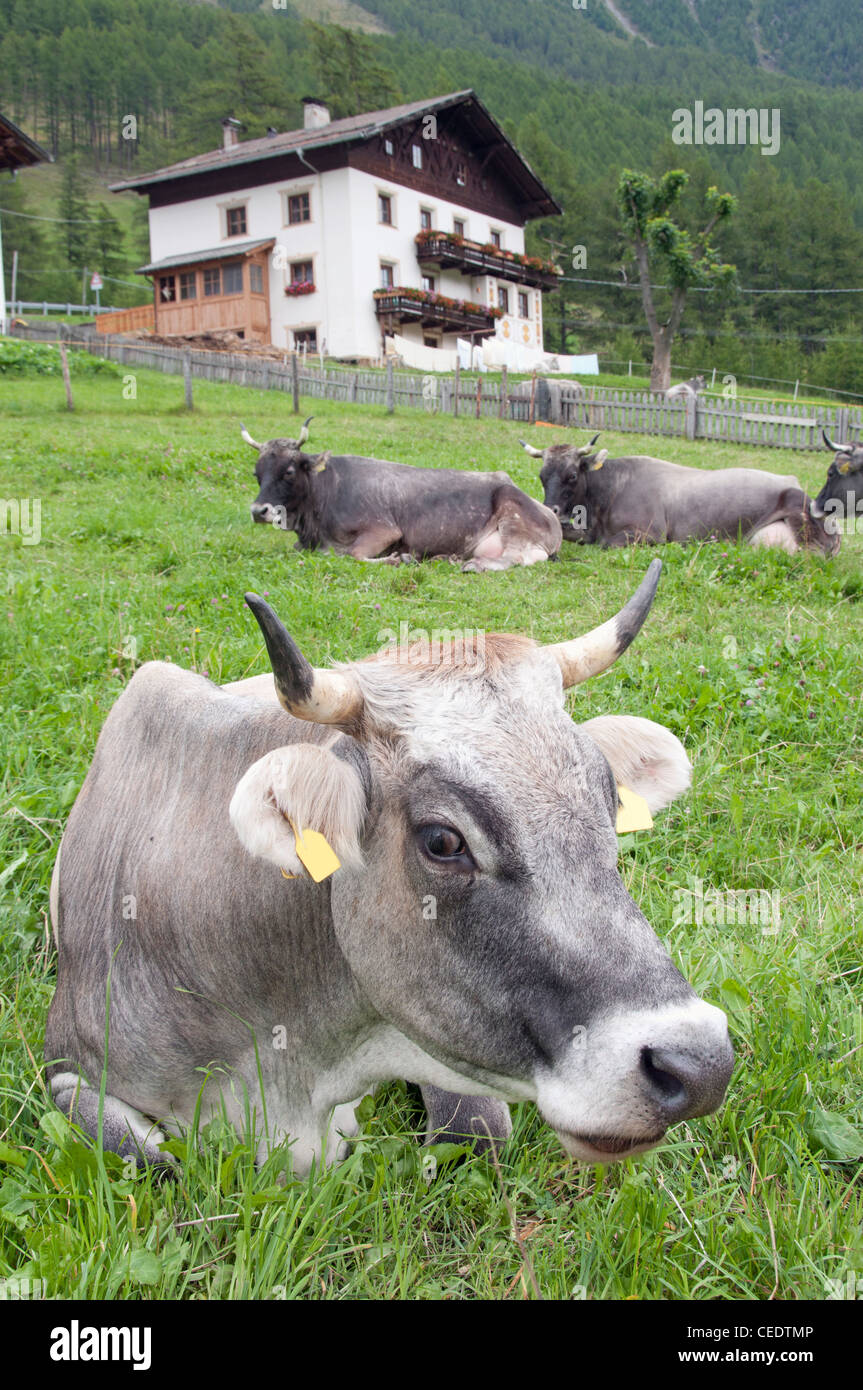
x=575, y=407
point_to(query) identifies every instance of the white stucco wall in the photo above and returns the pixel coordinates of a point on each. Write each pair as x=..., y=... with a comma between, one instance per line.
x=346, y=244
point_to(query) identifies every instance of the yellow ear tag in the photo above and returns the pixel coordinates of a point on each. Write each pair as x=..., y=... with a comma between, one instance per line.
x=316, y=853
x=633, y=812
x=594, y=466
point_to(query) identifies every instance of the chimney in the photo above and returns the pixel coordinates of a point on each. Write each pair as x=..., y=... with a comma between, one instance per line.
x=230, y=132
x=315, y=114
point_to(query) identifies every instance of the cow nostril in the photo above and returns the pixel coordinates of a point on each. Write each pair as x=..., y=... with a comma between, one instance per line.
x=665, y=1080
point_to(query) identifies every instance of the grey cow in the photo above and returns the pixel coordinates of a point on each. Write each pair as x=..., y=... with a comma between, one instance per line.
x=455, y=783
x=619, y=501
x=372, y=509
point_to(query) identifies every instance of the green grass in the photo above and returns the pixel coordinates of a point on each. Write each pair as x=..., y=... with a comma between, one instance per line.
x=753, y=659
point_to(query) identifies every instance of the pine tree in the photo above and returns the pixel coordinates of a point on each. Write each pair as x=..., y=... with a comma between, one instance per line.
x=75, y=211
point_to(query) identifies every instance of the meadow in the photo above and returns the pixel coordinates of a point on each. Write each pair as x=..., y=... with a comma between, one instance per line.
x=752, y=658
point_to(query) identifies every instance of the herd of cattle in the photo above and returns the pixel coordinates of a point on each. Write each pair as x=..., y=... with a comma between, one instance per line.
x=464, y=924
x=373, y=509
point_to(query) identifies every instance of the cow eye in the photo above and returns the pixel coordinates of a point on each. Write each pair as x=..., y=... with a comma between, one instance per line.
x=442, y=843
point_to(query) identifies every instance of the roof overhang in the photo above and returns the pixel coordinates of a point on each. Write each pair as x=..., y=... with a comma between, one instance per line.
x=235, y=251
x=17, y=150
x=537, y=199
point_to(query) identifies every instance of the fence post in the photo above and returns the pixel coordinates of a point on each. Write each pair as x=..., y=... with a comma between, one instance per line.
x=455, y=392
x=295, y=382
x=265, y=375
x=187, y=380
x=504, y=391
x=532, y=416
x=64, y=362
x=842, y=425
x=478, y=396
x=691, y=404
x=391, y=387
x=355, y=381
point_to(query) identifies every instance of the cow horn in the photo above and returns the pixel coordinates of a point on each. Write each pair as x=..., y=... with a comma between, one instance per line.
x=594, y=439
x=837, y=448
x=597, y=650
x=249, y=440
x=323, y=697
x=304, y=432
x=529, y=449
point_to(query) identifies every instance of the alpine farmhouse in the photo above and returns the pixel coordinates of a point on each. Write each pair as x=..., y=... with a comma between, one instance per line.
x=326, y=239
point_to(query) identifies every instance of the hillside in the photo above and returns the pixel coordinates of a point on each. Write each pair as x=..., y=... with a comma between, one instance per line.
x=580, y=96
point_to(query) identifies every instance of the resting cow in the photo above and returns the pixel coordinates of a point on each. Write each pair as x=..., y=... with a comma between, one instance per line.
x=477, y=939
x=619, y=501
x=841, y=498
x=372, y=509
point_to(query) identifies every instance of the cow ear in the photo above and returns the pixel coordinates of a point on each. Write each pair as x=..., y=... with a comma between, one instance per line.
x=298, y=788
x=644, y=756
x=599, y=460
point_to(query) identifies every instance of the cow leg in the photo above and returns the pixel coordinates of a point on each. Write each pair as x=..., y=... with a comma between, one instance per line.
x=370, y=544
x=482, y=1122
x=125, y=1131
x=510, y=538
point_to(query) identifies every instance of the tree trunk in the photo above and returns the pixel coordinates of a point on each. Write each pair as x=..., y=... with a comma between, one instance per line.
x=660, y=368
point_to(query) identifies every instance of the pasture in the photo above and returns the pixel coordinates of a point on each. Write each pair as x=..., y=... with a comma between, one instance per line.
x=752, y=658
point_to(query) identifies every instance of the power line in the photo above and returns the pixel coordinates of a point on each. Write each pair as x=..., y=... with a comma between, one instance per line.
x=67, y=221
x=696, y=289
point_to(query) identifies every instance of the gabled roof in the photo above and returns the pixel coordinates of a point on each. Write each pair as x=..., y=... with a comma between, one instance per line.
x=354, y=129
x=17, y=150
x=224, y=252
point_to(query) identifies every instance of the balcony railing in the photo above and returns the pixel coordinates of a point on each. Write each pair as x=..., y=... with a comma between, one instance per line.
x=448, y=251
x=404, y=303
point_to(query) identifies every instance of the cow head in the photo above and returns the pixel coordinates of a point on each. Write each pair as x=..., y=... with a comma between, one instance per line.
x=842, y=493
x=564, y=479
x=479, y=905
x=284, y=475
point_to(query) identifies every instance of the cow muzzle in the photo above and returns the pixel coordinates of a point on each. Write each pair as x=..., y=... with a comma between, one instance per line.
x=625, y=1079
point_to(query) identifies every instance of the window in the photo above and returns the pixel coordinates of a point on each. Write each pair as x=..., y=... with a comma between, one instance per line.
x=388, y=275
x=167, y=289
x=431, y=342
x=302, y=273
x=385, y=209
x=417, y=156
x=299, y=208
x=428, y=283
x=232, y=278
x=388, y=147
x=503, y=298
x=188, y=284
x=425, y=220
x=494, y=238
x=256, y=278
x=306, y=338
x=523, y=305
x=458, y=226
x=237, y=221
x=212, y=280
x=461, y=175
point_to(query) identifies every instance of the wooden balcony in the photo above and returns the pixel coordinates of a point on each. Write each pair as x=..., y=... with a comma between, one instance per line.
x=408, y=305
x=450, y=252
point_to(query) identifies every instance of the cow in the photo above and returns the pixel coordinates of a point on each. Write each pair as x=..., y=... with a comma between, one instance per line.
x=372, y=509
x=476, y=937
x=686, y=388
x=618, y=501
x=841, y=497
